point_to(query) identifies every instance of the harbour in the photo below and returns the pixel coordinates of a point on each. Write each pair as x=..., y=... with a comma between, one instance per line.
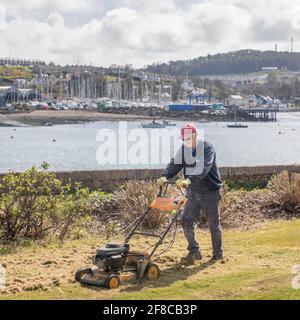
x=75, y=145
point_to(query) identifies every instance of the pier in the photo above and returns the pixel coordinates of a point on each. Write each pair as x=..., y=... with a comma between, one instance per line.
x=259, y=114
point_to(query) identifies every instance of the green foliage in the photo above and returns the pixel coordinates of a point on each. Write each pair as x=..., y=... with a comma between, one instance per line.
x=246, y=185
x=103, y=202
x=15, y=72
x=73, y=208
x=276, y=87
x=112, y=229
x=243, y=61
x=34, y=204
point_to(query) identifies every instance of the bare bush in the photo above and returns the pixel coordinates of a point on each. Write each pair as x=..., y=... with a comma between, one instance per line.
x=227, y=203
x=285, y=191
x=135, y=197
x=227, y=207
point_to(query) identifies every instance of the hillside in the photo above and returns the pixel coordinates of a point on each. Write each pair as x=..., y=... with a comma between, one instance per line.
x=238, y=62
x=15, y=72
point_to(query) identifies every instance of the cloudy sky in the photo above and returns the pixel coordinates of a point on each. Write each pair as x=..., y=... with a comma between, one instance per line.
x=139, y=32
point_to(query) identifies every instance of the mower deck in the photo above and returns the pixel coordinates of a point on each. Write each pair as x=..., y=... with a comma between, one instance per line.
x=137, y=266
x=99, y=277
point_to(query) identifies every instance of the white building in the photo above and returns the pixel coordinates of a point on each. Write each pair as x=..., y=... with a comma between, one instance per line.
x=235, y=100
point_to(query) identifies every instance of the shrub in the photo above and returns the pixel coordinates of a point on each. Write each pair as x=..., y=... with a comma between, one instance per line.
x=103, y=202
x=34, y=204
x=285, y=191
x=27, y=203
x=73, y=209
x=134, y=197
x=246, y=185
x=227, y=202
x=112, y=228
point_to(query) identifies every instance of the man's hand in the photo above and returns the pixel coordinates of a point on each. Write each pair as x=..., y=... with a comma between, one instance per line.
x=161, y=181
x=182, y=183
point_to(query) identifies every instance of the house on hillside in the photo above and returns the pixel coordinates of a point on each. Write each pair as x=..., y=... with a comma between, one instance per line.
x=264, y=100
x=235, y=100
x=296, y=101
x=252, y=101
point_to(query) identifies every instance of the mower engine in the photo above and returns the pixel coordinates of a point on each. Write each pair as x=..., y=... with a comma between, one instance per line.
x=112, y=257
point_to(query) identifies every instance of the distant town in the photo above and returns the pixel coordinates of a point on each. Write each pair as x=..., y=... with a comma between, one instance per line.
x=28, y=85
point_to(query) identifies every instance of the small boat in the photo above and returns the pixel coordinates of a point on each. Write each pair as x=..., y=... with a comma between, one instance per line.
x=153, y=125
x=236, y=125
x=48, y=124
x=168, y=124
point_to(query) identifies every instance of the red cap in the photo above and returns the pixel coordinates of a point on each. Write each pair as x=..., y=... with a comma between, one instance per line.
x=188, y=130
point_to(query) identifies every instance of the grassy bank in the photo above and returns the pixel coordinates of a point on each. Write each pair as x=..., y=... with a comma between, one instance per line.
x=15, y=72
x=258, y=266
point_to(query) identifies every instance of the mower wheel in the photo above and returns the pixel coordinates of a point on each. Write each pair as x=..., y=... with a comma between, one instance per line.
x=80, y=273
x=152, y=271
x=112, y=281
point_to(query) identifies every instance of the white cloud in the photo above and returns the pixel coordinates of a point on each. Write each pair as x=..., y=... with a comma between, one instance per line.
x=39, y=8
x=141, y=32
x=2, y=17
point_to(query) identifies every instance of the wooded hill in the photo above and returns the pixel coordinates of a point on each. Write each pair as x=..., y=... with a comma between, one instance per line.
x=238, y=62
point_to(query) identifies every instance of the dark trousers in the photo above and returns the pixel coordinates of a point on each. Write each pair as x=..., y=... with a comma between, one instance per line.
x=209, y=203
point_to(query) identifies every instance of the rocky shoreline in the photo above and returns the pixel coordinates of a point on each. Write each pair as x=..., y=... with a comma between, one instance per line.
x=53, y=117
x=41, y=118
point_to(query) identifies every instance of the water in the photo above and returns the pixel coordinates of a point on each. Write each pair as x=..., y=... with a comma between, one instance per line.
x=75, y=146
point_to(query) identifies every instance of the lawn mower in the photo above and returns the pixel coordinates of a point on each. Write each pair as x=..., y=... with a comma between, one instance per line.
x=116, y=263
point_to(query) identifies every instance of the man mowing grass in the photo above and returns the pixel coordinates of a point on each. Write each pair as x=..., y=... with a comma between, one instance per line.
x=197, y=159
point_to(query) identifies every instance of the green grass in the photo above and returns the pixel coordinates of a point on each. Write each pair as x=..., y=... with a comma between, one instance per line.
x=258, y=267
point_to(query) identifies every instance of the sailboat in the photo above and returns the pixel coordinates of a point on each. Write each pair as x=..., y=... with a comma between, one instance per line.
x=153, y=125
x=236, y=125
x=169, y=124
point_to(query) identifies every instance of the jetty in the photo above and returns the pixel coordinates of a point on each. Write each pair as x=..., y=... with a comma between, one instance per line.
x=263, y=114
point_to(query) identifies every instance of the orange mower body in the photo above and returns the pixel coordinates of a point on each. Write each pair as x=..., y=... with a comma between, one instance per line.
x=167, y=204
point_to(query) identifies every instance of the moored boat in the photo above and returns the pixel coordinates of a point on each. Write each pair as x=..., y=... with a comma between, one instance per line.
x=153, y=125
x=237, y=125
x=169, y=124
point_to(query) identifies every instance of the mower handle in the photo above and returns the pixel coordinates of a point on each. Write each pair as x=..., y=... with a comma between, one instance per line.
x=166, y=184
